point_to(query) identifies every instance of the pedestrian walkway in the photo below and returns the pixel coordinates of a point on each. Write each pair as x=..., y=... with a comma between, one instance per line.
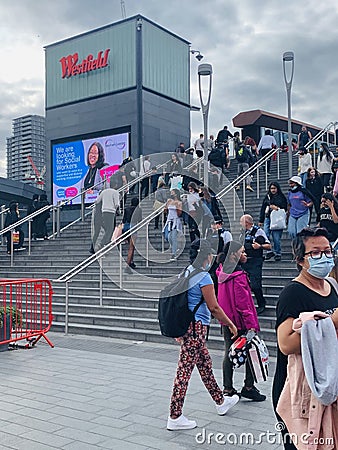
x=101, y=393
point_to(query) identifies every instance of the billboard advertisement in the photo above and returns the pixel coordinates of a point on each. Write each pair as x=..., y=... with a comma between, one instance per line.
x=84, y=163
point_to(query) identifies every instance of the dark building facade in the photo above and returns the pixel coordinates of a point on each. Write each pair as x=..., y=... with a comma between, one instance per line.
x=129, y=79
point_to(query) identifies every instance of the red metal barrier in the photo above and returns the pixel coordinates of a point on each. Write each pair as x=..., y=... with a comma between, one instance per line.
x=25, y=311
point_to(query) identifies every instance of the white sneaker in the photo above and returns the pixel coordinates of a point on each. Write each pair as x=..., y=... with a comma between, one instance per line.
x=228, y=403
x=181, y=423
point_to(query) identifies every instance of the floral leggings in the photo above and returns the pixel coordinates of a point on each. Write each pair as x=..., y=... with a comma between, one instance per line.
x=193, y=352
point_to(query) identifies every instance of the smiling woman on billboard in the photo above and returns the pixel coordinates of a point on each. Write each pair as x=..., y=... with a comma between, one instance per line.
x=95, y=162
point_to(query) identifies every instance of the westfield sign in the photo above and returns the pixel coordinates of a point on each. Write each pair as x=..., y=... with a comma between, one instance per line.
x=70, y=65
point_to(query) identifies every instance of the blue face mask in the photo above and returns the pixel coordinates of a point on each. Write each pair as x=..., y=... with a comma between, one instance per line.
x=321, y=267
x=207, y=267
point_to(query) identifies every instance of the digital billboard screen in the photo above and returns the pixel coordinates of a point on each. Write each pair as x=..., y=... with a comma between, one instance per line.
x=83, y=163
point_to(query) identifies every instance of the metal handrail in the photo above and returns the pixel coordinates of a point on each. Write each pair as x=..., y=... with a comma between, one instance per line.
x=320, y=134
x=26, y=219
x=125, y=187
x=3, y=209
x=247, y=173
x=108, y=247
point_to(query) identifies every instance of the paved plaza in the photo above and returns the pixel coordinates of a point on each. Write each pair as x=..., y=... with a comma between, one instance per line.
x=101, y=393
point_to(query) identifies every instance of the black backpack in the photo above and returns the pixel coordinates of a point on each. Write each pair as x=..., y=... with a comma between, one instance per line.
x=173, y=313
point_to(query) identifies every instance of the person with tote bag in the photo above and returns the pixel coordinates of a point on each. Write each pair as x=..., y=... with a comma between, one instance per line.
x=273, y=218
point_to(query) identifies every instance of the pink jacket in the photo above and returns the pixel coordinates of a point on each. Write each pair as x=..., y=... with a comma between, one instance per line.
x=304, y=415
x=235, y=298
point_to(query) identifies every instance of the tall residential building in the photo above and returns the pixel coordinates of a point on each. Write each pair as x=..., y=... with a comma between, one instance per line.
x=28, y=139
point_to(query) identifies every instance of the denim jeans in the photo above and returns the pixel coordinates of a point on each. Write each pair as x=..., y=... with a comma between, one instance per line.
x=303, y=177
x=173, y=234
x=296, y=225
x=276, y=237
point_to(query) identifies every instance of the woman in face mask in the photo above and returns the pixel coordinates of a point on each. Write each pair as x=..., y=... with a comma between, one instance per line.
x=299, y=202
x=308, y=292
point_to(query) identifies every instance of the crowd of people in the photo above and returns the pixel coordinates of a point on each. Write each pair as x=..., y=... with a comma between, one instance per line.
x=225, y=275
x=38, y=223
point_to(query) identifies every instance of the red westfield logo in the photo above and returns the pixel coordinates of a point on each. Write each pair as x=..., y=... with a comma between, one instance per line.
x=70, y=66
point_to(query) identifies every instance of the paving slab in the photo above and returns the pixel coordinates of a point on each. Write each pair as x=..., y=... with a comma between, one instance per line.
x=102, y=393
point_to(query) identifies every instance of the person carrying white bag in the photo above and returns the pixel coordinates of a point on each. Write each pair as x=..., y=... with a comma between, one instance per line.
x=273, y=218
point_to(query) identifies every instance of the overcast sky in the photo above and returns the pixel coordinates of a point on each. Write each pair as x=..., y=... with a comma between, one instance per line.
x=243, y=39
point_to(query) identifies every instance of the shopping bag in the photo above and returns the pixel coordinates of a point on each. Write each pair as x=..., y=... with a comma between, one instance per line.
x=258, y=358
x=117, y=232
x=16, y=237
x=157, y=205
x=176, y=182
x=278, y=219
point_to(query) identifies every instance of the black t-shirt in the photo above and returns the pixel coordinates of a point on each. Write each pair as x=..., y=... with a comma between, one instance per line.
x=326, y=221
x=294, y=299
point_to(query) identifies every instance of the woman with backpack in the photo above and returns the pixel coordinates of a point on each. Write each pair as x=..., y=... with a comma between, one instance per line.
x=235, y=298
x=194, y=351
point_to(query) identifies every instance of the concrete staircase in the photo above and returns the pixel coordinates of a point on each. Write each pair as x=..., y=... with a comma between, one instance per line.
x=131, y=312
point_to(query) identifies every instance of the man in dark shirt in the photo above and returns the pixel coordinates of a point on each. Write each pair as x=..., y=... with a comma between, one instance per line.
x=223, y=135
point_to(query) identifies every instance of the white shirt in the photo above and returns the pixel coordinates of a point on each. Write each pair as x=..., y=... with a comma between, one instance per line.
x=324, y=165
x=267, y=141
x=199, y=144
x=110, y=200
x=305, y=162
x=145, y=166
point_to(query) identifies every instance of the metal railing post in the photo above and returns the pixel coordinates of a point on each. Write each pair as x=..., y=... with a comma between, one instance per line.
x=257, y=174
x=54, y=221
x=83, y=195
x=234, y=191
x=266, y=175
x=101, y=284
x=147, y=245
x=278, y=174
x=58, y=219
x=244, y=193
x=67, y=308
x=162, y=220
x=29, y=236
x=121, y=277
x=12, y=249
x=2, y=222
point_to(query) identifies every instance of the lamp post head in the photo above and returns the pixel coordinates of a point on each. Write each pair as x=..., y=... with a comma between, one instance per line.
x=288, y=56
x=198, y=56
x=204, y=69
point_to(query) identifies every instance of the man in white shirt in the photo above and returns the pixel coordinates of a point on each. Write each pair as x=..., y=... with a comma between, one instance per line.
x=145, y=166
x=199, y=146
x=109, y=200
x=267, y=143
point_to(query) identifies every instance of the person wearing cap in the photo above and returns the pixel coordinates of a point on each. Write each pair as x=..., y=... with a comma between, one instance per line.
x=255, y=242
x=194, y=351
x=299, y=202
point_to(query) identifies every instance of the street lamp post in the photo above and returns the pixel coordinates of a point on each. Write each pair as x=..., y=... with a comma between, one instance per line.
x=289, y=57
x=205, y=70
